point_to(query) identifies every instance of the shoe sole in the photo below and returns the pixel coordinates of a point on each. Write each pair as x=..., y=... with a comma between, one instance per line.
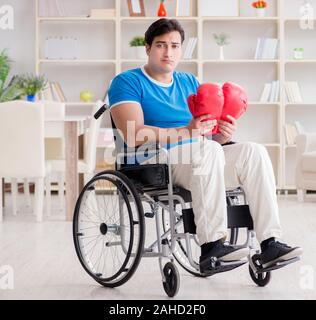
x=235, y=255
x=224, y=268
x=290, y=255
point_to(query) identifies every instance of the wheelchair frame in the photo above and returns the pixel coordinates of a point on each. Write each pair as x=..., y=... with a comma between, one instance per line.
x=165, y=250
x=167, y=241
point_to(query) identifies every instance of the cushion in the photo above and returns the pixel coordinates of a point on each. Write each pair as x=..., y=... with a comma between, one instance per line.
x=309, y=161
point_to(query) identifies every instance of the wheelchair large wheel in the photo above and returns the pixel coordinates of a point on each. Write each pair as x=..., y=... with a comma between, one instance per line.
x=180, y=253
x=108, y=228
x=233, y=234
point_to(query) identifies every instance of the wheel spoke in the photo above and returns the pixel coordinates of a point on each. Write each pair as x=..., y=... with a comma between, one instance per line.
x=107, y=218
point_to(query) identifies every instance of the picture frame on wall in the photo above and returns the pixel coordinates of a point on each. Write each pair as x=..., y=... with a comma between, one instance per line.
x=184, y=8
x=136, y=8
x=219, y=8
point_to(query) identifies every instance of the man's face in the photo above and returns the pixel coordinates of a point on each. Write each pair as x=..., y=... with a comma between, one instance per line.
x=165, y=52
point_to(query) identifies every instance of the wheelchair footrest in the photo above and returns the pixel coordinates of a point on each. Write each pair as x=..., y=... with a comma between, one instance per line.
x=278, y=265
x=217, y=266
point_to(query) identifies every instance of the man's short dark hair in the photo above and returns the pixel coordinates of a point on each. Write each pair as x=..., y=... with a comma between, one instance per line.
x=163, y=26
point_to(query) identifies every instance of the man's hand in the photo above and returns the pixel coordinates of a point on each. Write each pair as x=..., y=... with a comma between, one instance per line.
x=226, y=130
x=199, y=127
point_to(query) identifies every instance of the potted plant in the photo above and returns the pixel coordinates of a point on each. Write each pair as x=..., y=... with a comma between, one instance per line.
x=260, y=7
x=221, y=40
x=31, y=85
x=9, y=89
x=138, y=43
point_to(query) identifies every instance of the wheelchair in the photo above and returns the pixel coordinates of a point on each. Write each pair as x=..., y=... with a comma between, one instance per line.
x=109, y=224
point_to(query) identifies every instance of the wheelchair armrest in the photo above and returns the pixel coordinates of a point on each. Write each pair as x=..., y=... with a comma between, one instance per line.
x=150, y=147
x=147, y=175
x=142, y=151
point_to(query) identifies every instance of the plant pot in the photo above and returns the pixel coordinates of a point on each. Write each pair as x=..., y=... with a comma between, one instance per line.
x=261, y=12
x=221, y=53
x=30, y=97
x=141, y=52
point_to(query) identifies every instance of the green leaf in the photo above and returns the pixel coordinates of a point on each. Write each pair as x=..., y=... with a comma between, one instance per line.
x=137, y=41
x=31, y=84
x=221, y=39
x=12, y=91
x=5, y=66
x=19, y=85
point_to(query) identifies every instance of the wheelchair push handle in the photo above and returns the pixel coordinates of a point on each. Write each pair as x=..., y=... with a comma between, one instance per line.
x=101, y=110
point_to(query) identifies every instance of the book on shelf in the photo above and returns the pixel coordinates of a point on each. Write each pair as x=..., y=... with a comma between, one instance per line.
x=266, y=49
x=188, y=53
x=193, y=48
x=275, y=89
x=60, y=8
x=271, y=92
x=53, y=92
x=46, y=93
x=51, y=8
x=265, y=93
x=299, y=127
x=291, y=131
x=60, y=92
x=293, y=92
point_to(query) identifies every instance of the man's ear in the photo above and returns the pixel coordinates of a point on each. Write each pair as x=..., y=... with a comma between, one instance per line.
x=148, y=47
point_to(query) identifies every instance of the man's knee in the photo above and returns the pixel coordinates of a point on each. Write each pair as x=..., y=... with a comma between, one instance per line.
x=207, y=150
x=254, y=149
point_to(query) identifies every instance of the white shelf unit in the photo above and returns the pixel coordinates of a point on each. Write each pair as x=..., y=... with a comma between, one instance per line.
x=104, y=52
x=303, y=72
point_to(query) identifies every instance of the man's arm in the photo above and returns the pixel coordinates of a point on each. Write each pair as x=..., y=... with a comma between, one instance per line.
x=129, y=119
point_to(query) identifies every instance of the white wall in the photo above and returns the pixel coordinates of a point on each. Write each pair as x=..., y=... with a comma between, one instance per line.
x=21, y=40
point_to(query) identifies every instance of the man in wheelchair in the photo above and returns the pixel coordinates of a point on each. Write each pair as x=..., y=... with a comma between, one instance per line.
x=149, y=104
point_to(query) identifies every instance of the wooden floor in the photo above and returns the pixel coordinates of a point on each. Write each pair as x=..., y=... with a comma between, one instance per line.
x=45, y=265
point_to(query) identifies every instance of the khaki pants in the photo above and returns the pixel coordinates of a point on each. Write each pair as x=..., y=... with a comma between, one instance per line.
x=206, y=169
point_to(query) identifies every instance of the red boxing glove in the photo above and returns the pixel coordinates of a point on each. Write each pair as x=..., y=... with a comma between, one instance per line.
x=208, y=100
x=192, y=104
x=236, y=101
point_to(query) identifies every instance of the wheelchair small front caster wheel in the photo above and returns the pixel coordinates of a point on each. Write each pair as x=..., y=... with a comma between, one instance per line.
x=172, y=283
x=260, y=279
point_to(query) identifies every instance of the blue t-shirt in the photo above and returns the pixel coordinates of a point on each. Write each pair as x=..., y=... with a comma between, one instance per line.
x=164, y=105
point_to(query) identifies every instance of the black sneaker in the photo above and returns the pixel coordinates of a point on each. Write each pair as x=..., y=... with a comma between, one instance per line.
x=276, y=251
x=222, y=252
